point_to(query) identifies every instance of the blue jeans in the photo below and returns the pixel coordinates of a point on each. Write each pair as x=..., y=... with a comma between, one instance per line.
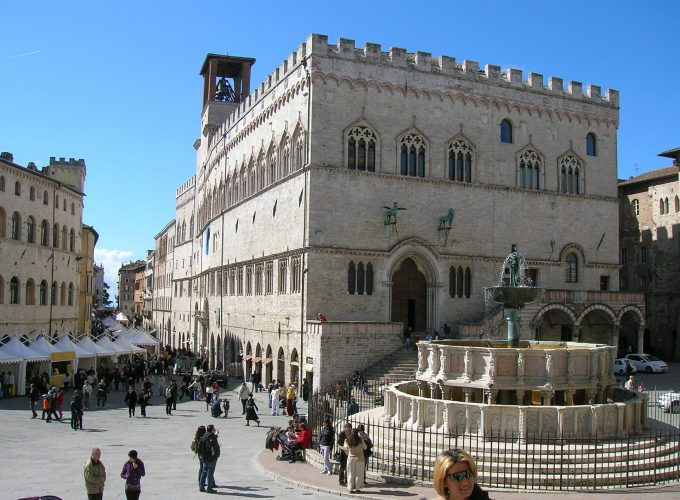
x=200, y=471
x=208, y=473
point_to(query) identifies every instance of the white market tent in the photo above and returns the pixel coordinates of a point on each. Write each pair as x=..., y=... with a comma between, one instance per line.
x=141, y=338
x=105, y=343
x=87, y=344
x=14, y=348
x=8, y=358
x=66, y=345
x=42, y=346
x=123, y=342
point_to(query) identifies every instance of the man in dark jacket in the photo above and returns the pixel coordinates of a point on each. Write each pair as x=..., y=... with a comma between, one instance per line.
x=342, y=435
x=209, y=452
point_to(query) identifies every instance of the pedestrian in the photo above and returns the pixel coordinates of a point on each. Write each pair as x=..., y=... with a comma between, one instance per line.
x=368, y=452
x=352, y=407
x=87, y=392
x=342, y=436
x=34, y=395
x=143, y=401
x=208, y=396
x=209, y=452
x=200, y=432
x=60, y=403
x=630, y=383
x=131, y=401
x=326, y=443
x=447, y=331
x=305, y=390
x=455, y=477
x=243, y=396
x=76, y=411
x=253, y=381
x=95, y=475
x=133, y=471
x=354, y=447
x=290, y=399
x=173, y=393
x=274, y=396
x=102, y=393
x=168, y=400
x=51, y=397
x=251, y=406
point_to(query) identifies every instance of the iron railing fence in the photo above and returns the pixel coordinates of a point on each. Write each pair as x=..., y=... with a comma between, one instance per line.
x=541, y=463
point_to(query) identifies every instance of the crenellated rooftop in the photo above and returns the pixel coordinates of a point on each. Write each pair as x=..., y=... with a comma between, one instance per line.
x=372, y=53
x=316, y=45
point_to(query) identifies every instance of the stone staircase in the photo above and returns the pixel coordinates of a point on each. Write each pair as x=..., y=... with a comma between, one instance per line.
x=400, y=365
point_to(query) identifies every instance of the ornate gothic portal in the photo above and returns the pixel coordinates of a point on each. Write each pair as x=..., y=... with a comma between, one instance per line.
x=409, y=292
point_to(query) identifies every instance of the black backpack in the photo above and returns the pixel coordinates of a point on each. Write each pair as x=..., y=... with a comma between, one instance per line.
x=205, y=449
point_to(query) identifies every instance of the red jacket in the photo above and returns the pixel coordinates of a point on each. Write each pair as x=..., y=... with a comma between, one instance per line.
x=304, y=438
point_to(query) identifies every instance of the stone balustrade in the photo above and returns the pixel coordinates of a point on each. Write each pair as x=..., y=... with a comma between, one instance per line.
x=403, y=408
x=555, y=366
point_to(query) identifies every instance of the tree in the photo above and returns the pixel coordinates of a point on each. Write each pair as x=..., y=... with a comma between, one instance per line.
x=107, y=297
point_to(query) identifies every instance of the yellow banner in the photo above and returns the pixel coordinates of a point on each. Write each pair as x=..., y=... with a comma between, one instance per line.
x=63, y=356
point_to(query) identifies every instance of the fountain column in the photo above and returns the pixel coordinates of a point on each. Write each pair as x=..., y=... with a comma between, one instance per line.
x=512, y=316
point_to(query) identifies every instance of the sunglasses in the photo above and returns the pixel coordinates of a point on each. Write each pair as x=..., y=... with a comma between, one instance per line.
x=457, y=477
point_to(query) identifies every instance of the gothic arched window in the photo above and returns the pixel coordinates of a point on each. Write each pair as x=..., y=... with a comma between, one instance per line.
x=529, y=170
x=460, y=161
x=571, y=170
x=571, y=270
x=351, y=278
x=14, y=290
x=30, y=229
x=413, y=151
x=361, y=149
x=16, y=226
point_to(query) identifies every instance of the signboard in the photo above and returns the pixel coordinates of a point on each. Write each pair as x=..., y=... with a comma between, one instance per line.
x=56, y=357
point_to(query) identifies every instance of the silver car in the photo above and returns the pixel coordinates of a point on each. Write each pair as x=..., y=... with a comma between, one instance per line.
x=670, y=402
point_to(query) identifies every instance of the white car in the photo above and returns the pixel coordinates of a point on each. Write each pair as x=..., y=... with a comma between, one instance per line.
x=623, y=366
x=647, y=363
x=670, y=402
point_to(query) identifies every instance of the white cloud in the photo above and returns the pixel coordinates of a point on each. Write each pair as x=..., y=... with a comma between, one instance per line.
x=112, y=260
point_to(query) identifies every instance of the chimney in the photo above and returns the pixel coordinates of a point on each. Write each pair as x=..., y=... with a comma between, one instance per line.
x=7, y=156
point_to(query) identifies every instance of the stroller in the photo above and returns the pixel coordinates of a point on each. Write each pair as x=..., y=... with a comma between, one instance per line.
x=219, y=406
x=290, y=451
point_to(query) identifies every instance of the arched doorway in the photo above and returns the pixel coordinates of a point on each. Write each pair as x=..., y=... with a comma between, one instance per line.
x=268, y=365
x=555, y=325
x=281, y=366
x=409, y=296
x=597, y=326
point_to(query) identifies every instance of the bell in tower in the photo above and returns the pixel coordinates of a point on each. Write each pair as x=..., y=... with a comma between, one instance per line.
x=224, y=91
x=226, y=78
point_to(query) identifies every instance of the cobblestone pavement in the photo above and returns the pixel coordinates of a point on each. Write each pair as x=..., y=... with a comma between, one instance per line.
x=39, y=458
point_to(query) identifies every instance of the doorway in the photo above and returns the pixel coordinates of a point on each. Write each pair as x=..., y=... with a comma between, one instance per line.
x=409, y=296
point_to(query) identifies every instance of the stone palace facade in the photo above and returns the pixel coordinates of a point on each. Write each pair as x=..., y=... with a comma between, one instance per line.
x=384, y=189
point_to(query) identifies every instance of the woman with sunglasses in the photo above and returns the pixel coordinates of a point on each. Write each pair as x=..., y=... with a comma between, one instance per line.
x=455, y=475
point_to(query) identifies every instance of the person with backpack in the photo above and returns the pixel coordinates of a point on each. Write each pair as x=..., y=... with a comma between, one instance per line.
x=368, y=452
x=208, y=452
x=168, y=400
x=131, y=401
x=200, y=433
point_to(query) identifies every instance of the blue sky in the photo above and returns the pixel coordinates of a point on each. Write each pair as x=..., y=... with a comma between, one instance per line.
x=117, y=83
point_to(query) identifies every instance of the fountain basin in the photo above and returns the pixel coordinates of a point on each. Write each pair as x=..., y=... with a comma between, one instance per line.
x=514, y=297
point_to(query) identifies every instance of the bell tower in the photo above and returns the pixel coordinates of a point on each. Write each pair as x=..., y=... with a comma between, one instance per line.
x=226, y=78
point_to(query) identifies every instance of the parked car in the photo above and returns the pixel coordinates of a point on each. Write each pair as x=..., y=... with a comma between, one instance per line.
x=670, y=402
x=647, y=363
x=623, y=366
